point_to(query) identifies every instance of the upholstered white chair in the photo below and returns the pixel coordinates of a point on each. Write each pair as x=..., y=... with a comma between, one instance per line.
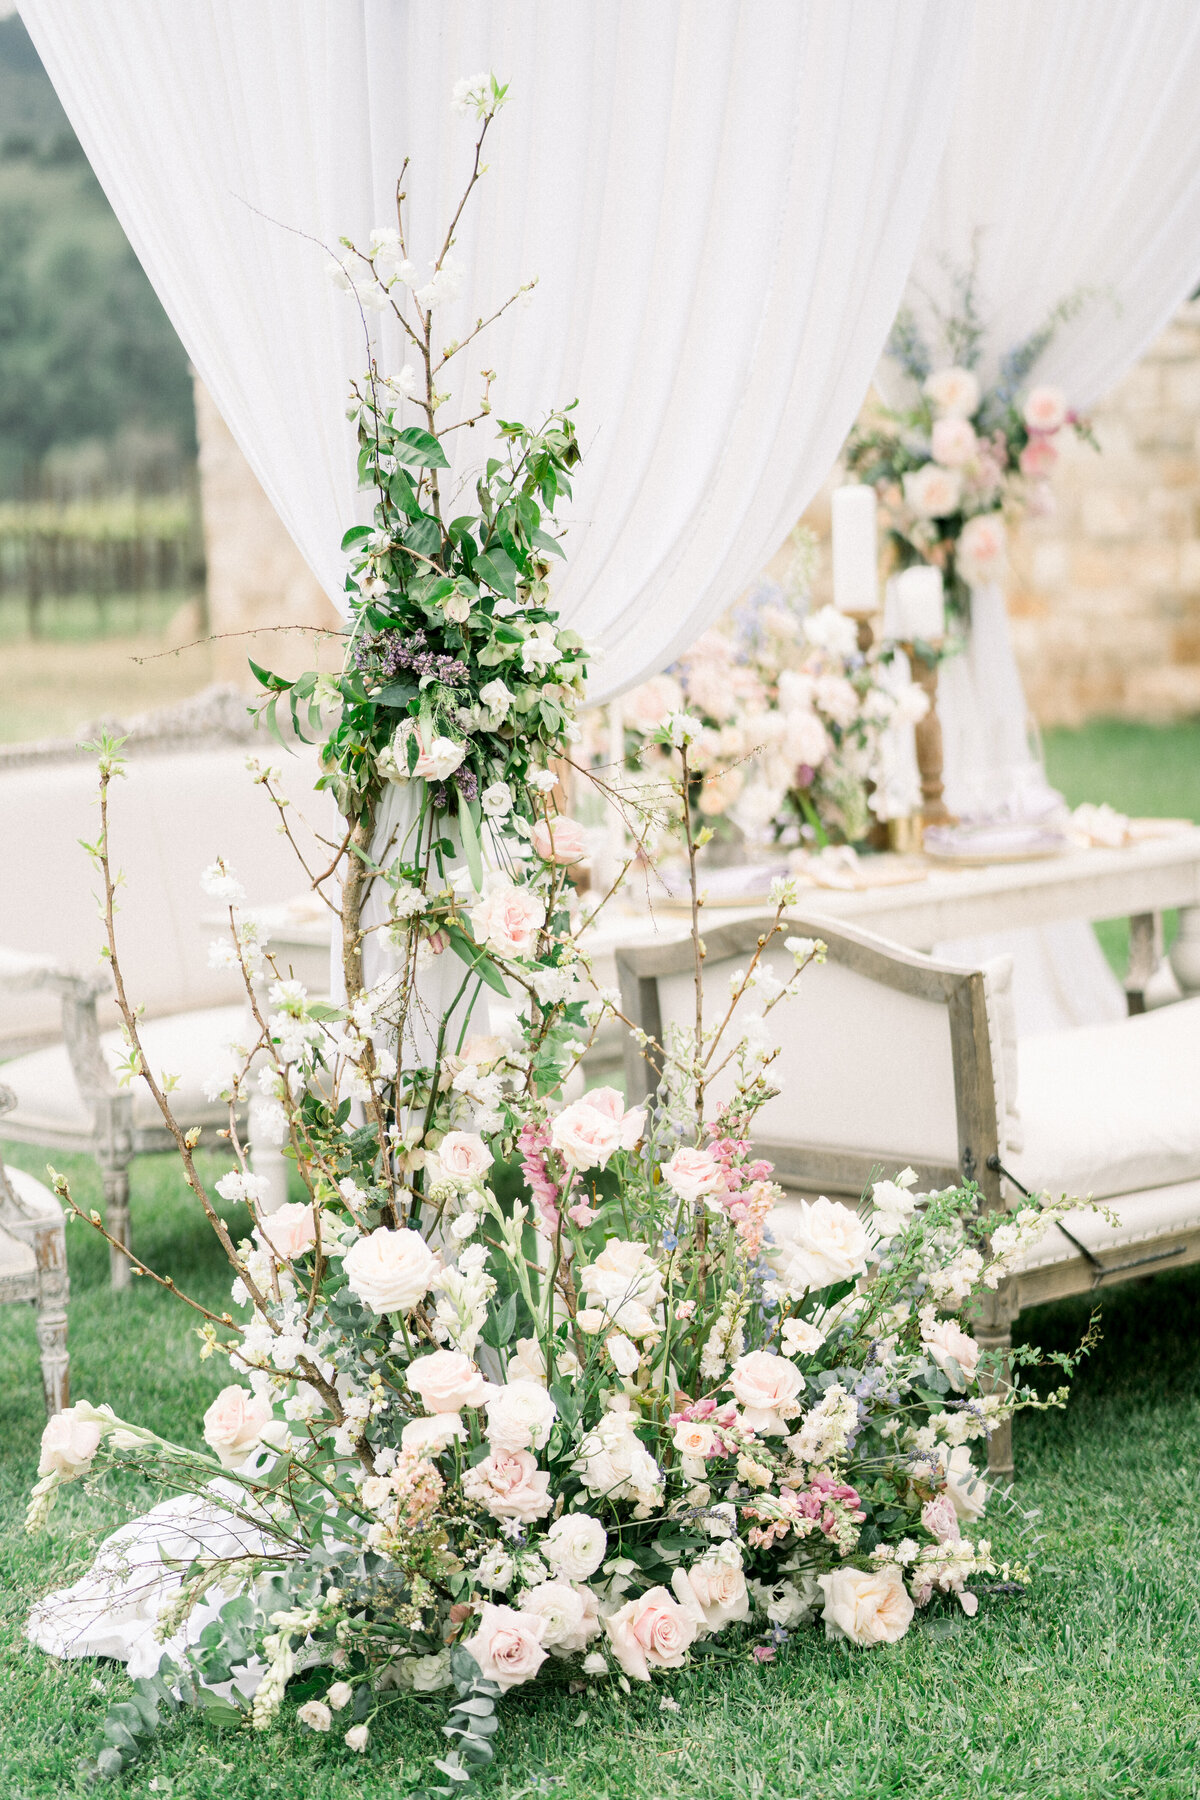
x=888, y=1057
x=33, y=1267
x=173, y=813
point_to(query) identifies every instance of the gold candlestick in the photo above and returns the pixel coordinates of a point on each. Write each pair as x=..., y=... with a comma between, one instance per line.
x=934, y=810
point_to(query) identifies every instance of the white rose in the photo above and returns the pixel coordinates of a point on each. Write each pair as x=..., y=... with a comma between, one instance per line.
x=766, y=1385
x=289, y=1231
x=829, y=1244
x=894, y=1208
x=436, y=759
x=575, y=1546
x=71, y=1439
x=623, y=1354
x=507, y=920
x=868, y=1606
x=954, y=392
x=614, y=1464
x=315, y=1714
x=932, y=491
x=462, y=1156
x=497, y=800
x=507, y=1645
x=714, y=1589
x=519, y=1416
x=509, y=1485
x=496, y=697
x=584, y=1137
x=446, y=1381
x=234, y=1423
x=954, y=442
x=390, y=1271
x=429, y=1437
x=948, y=1344
x=1045, y=409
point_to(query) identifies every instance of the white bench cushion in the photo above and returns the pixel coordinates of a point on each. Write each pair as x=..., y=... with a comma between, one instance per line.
x=1158, y=1213
x=1112, y=1109
x=189, y=1045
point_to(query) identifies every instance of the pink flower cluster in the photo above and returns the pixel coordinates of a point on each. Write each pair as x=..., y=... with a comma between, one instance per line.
x=532, y=1145
x=826, y=1505
x=748, y=1195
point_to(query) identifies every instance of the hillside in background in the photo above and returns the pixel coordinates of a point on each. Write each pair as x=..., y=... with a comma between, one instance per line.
x=92, y=375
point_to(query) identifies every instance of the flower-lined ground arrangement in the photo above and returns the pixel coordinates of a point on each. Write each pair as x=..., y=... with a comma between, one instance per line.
x=958, y=465
x=474, y=1441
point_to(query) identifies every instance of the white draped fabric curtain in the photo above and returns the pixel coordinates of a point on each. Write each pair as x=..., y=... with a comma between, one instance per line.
x=1072, y=167
x=720, y=199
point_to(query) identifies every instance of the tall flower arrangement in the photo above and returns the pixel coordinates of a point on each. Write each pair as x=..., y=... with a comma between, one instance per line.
x=476, y=1439
x=960, y=464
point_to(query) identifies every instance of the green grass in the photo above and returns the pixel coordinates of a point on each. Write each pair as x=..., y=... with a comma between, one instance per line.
x=1144, y=770
x=1086, y=1689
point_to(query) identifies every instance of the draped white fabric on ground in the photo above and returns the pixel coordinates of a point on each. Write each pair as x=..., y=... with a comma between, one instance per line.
x=1073, y=164
x=721, y=201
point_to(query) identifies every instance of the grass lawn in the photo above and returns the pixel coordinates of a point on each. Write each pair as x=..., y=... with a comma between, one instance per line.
x=1089, y=1688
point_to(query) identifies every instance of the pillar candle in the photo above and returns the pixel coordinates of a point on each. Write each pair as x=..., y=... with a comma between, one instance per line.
x=855, y=566
x=920, y=606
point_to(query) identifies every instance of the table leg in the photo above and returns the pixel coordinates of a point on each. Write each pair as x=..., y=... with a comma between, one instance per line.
x=1145, y=954
x=1185, y=951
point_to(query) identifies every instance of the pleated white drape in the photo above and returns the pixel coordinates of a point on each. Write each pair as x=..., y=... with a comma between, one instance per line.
x=1072, y=165
x=720, y=199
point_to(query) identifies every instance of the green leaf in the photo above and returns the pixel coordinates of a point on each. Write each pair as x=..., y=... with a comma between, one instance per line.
x=543, y=541
x=496, y=569
x=419, y=449
x=476, y=959
x=398, y=693
x=276, y=683
x=356, y=535
x=402, y=494
x=424, y=536
x=468, y=825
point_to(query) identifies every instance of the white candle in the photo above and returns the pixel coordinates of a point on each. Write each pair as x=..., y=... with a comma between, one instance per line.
x=920, y=605
x=855, y=565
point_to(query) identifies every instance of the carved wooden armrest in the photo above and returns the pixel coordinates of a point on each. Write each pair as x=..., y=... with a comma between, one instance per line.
x=22, y=971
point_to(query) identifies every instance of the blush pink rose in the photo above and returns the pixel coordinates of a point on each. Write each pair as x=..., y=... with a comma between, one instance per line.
x=650, y=705
x=559, y=840
x=954, y=442
x=933, y=492
x=585, y=1136
x=508, y=1645
x=389, y=1271
x=693, y=1173
x=234, y=1423
x=611, y=1105
x=652, y=1632
x=982, y=548
x=509, y=1485
x=70, y=1441
x=714, y=1592
x=289, y=1231
x=940, y=1519
x=508, y=920
x=766, y=1386
x=463, y=1156
x=954, y=392
x=1038, y=457
x=1045, y=409
x=446, y=1381
x=947, y=1343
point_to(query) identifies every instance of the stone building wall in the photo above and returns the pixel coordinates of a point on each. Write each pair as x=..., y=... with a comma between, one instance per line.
x=1104, y=593
x=256, y=575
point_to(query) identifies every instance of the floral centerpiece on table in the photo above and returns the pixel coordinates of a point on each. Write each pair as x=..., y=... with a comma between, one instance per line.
x=795, y=723
x=962, y=462
x=523, y=1387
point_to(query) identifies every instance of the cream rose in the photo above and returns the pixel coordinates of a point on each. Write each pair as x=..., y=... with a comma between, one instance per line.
x=575, y=1546
x=828, y=1244
x=954, y=392
x=714, y=1589
x=572, y=1615
x=1045, y=409
x=693, y=1174
x=584, y=1137
x=71, y=1439
x=462, y=1156
x=234, y=1424
x=507, y=921
x=947, y=1343
x=446, y=1381
x=390, y=1271
x=652, y=1632
x=868, y=1606
x=559, y=840
x=933, y=492
x=766, y=1386
x=509, y=1485
x=693, y=1439
x=507, y=1645
x=954, y=442
x=289, y=1231
x=429, y=1437
x=519, y=1416
x=982, y=548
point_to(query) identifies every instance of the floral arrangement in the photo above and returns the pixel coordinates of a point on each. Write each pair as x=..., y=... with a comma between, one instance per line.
x=962, y=461
x=795, y=722
x=526, y=1387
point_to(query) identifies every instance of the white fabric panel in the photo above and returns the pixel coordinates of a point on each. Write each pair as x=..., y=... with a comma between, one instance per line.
x=721, y=201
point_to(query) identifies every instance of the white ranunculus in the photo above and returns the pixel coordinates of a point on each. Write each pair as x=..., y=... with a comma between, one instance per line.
x=868, y=1606
x=519, y=1416
x=390, y=1271
x=572, y=1615
x=828, y=1245
x=954, y=392
x=575, y=1546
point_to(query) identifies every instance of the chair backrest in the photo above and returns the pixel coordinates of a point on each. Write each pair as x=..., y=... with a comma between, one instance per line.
x=170, y=816
x=885, y=1056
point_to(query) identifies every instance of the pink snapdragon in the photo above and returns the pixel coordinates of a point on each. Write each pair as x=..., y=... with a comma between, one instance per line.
x=532, y=1145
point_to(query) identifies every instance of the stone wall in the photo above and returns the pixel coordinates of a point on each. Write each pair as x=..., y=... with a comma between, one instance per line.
x=256, y=575
x=1104, y=594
